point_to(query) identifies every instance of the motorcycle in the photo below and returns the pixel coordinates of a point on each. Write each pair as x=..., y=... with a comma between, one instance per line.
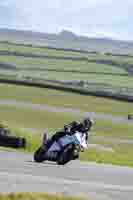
x=64, y=150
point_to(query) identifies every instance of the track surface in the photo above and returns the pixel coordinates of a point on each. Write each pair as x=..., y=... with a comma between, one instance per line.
x=18, y=173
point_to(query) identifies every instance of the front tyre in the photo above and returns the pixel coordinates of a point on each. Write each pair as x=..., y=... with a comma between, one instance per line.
x=38, y=155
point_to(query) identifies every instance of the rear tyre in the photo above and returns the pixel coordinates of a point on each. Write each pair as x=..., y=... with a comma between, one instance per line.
x=66, y=155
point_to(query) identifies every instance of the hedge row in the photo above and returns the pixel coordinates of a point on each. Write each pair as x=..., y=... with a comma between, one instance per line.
x=79, y=90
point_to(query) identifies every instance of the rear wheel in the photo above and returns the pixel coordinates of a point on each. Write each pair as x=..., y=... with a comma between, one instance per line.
x=66, y=155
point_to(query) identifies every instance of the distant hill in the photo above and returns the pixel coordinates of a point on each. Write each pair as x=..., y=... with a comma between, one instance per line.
x=67, y=39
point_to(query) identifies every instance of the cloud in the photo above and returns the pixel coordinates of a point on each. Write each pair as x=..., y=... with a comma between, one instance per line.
x=89, y=17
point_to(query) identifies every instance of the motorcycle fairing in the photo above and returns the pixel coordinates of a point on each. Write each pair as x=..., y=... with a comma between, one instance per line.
x=77, y=138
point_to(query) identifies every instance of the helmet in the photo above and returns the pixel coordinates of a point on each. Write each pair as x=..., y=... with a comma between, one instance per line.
x=88, y=122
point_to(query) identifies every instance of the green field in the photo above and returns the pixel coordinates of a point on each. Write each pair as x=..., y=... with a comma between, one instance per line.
x=40, y=51
x=12, y=47
x=115, y=74
x=114, y=82
x=45, y=63
x=52, y=52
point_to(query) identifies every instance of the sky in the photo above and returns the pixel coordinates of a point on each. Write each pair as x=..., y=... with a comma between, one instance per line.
x=97, y=18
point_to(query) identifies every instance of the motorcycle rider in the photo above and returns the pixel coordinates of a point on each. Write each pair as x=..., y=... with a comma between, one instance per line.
x=69, y=129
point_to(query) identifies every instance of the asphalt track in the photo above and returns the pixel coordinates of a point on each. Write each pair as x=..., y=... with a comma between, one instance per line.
x=18, y=173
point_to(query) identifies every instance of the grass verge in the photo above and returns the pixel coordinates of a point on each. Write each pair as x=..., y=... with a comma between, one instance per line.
x=38, y=120
x=122, y=155
x=35, y=196
x=65, y=99
x=109, y=129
